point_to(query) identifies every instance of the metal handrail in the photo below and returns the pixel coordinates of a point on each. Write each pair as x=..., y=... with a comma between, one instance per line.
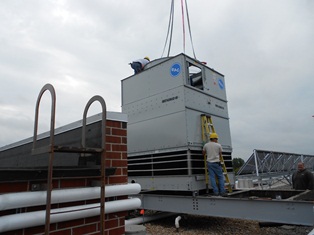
x=103, y=153
x=50, y=88
x=52, y=148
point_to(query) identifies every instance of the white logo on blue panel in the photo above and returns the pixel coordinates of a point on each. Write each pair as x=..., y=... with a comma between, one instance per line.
x=221, y=84
x=175, y=69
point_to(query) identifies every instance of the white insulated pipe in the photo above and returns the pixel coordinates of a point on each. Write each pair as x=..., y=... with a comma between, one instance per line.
x=27, y=199
x=37, y=218
x=176, y=222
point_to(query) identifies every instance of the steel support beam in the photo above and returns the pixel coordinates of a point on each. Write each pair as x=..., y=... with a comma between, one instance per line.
x=278, y=211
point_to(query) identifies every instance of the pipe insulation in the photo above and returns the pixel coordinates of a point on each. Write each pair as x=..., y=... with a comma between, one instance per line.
x=27, y=199
x=37, y=218
x=176, y=222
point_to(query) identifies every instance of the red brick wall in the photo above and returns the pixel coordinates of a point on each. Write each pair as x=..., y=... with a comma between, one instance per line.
x=116, y=156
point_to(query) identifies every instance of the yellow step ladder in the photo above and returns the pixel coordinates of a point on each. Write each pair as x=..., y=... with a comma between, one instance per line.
x=207, y=129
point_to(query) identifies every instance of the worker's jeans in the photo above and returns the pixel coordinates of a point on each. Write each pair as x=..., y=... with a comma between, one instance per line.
x=214, y=169
x=137, y=67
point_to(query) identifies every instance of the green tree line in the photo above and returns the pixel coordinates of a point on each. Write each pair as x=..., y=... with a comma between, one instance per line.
x=237, y=163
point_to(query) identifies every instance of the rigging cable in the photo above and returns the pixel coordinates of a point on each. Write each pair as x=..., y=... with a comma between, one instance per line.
x=188, y=18
x=183, y=27
x=170, y=28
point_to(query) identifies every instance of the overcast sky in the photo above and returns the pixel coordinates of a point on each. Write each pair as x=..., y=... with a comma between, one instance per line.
x=265, y=49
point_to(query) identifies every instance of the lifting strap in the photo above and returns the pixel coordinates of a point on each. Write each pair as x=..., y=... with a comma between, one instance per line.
x=207, y=129
x=170, y=27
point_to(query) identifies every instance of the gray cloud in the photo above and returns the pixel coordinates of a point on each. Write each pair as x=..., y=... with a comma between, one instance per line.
x=264, y=49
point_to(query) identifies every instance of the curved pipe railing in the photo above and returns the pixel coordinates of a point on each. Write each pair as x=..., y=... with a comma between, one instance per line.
x=52, y=148
x=47, y=87
x=103, y=153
